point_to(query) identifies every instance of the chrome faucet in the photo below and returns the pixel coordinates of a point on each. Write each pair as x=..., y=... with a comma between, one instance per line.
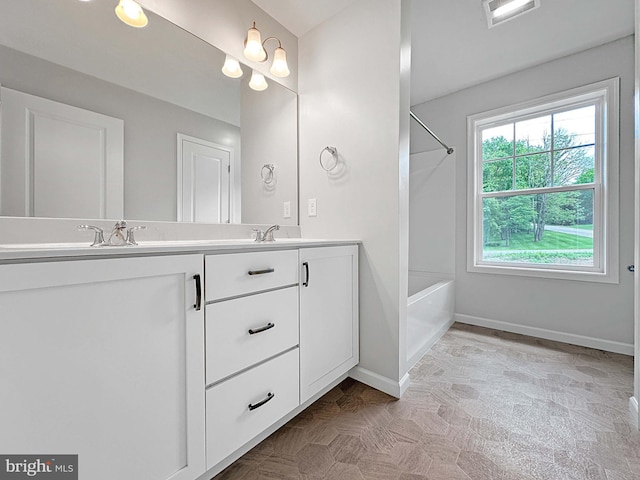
x=120, y=235
x=267, y=235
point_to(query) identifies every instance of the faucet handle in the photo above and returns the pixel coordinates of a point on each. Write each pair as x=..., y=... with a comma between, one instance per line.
x=257, y=235
x=130, y=238
x=98, y=239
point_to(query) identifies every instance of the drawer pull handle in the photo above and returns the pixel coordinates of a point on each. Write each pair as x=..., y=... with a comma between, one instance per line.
x=198, y=305
x=261, y=272
x=262, y=402
x=268, y=326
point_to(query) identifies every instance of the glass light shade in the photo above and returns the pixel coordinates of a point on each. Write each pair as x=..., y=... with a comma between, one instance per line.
x=131, y=13
x=253, y=48
x=258, y=82
x=279, y=67
x=231, y=67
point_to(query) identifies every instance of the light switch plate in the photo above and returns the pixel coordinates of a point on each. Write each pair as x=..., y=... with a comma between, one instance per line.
x=312, y=207
x=287, y=210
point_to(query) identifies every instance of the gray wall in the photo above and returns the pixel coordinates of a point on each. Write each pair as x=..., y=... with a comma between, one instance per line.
x=563, y=309
x=150, y=128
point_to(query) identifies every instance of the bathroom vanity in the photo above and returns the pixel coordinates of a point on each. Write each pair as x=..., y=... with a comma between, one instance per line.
x=169, y=361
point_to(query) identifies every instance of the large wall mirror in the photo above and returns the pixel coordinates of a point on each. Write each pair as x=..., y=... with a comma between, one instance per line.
x=102, y=120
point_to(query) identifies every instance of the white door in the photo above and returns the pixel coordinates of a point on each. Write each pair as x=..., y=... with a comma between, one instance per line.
x=328, y=316
x=105, y=359
x=58, y=160
x=203, y=181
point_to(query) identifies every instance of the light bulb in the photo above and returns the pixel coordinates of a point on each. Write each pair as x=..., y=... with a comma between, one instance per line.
x=253, y=49
x=231, y=67
x=509, y=7
x=131, y=13
x=279, y=67
x=258, y=82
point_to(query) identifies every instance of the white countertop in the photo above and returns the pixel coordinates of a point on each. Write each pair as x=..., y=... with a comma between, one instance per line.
x=10, y=253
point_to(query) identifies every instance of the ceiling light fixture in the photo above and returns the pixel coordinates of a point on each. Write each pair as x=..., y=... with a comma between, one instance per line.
x=131, y=13
x=231, y=67
x=499, y=11
x=254, y=50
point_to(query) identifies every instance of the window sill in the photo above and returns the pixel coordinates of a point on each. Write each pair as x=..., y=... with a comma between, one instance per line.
x=555, y=273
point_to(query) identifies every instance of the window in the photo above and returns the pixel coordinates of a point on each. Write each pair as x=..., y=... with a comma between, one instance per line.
x=543, y=182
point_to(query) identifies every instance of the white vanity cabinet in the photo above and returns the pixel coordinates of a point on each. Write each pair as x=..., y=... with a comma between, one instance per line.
x=104, y=358
x=328, y=316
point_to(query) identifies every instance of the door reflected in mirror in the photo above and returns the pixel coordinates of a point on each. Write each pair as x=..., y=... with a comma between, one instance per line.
x=158, y=82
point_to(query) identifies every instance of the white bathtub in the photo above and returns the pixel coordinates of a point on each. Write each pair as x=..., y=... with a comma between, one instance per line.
x=430, y=313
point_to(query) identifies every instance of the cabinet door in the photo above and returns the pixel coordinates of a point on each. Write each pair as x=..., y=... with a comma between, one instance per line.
x=328, y=316
x=104, y=359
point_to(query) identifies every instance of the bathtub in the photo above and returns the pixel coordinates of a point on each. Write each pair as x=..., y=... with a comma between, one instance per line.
x=430, y=312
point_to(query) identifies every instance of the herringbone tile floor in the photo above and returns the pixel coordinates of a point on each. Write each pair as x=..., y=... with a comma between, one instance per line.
x=482, y=405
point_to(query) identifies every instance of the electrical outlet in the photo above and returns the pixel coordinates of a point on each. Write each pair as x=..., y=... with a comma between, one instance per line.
x=287, y=210
x=312, y=210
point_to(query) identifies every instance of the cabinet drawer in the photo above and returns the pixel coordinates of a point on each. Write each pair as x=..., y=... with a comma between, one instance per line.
x=232, y=416
x=236, y=274
x=239, y=332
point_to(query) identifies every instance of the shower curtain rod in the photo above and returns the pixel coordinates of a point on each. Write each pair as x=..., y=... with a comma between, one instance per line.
x=422, y=124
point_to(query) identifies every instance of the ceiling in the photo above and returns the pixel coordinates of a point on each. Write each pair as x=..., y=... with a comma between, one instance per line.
x=452, y=47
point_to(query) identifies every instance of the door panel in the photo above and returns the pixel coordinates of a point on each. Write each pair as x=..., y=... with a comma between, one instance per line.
x=203, y=190
x=59, y=160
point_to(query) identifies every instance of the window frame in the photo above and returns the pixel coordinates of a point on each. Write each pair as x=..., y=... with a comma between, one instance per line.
x=605, y=95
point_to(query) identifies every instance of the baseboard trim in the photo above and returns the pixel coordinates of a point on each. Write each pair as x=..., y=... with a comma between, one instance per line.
x=584, y=341
x=379, y=382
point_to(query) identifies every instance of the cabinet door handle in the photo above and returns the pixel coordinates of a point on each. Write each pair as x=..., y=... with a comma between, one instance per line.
x=268, y=326
x=198, y=305
x=306, y=277
x=261, y=272
x=262, y=402
x=631, y=268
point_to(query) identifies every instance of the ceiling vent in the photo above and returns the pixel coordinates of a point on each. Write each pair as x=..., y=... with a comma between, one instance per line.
x=500, y=11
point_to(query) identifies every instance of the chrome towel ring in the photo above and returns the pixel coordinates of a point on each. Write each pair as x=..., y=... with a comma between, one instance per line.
x=267, y=173
x=334, y=153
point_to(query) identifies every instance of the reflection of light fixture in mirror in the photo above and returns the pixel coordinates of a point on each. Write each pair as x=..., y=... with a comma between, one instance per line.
x=258, y=82
x=499, y=11
x=231, y=67
x=131, y=13
x=254, y=50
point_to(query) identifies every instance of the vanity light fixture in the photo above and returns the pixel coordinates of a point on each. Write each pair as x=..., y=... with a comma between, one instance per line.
x=254, y=50
x=499, y=11
x=258, y=82
x=231, y=67
x=131, y=13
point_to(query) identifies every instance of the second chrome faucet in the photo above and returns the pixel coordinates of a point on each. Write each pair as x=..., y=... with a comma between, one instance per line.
x=267, y=235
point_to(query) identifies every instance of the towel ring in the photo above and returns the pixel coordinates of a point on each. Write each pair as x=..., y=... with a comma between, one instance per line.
x=267, y=174
x=334, y=153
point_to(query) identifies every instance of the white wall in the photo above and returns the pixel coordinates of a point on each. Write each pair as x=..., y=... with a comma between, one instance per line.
x=432, y=212
x=224, y=24
x=354, y=95
x=273, y=141
x=601, y=312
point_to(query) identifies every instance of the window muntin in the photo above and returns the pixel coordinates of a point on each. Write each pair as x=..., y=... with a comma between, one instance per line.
x=540, y=195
